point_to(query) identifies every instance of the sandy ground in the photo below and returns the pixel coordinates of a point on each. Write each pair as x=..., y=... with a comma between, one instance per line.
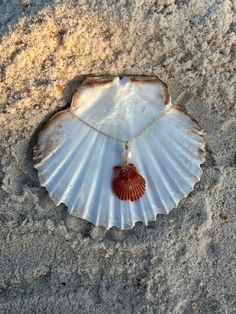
x=51, y=263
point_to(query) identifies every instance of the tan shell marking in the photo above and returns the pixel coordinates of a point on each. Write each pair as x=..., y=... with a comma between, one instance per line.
x=96, y=81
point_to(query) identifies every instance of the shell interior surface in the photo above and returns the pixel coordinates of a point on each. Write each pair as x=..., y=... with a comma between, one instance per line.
x=75, y=162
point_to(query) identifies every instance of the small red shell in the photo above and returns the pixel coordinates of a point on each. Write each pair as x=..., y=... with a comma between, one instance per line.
x=128, y=184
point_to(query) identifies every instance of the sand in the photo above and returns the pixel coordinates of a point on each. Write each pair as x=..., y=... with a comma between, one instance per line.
x=52, y=263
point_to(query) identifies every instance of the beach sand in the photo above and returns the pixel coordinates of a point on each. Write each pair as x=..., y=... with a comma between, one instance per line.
x=53, y=263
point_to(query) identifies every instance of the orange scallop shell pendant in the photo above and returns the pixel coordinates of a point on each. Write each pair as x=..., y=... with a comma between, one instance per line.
x=128, y=184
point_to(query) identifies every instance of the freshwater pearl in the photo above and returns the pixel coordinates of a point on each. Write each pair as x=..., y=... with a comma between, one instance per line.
x=126, y=155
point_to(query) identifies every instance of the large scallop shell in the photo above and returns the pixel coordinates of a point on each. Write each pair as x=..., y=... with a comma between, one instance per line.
x=75, y=162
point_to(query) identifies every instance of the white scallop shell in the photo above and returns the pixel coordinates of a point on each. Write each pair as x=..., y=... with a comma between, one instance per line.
x=75, y=162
